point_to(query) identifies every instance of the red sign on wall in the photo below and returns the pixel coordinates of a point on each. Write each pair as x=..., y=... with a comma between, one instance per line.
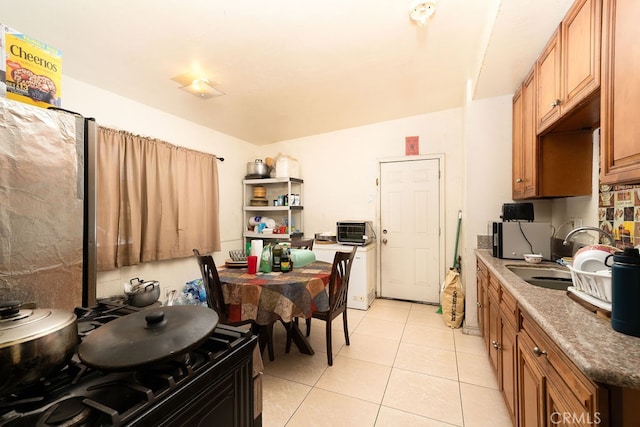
x=412, y=145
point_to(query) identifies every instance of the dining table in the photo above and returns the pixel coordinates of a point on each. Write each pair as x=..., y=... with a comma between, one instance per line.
x=267, y=298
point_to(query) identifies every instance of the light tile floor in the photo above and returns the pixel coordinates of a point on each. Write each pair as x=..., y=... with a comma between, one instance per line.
x=404, y=367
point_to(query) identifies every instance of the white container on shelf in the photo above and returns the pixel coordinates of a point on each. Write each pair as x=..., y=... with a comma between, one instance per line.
x=287, y=166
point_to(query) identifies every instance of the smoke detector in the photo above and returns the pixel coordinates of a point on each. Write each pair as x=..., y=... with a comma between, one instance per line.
x=421, y=10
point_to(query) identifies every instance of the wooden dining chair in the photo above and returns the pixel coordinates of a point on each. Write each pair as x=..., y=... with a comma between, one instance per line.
x=215, y=300
x=338, y=288
x=302, y=244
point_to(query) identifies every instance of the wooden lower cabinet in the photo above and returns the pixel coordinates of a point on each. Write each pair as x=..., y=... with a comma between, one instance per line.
x=494, y=330
x=552, y=391
x=508, y=375
x=539, y=383
x=498, y=310
x=531, y=386
x=482, y=283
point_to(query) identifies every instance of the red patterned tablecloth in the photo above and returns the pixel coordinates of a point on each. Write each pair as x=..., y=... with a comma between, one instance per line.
x=268, y=297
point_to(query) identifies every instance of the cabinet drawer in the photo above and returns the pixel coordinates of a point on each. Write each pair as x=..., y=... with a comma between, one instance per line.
x=558, y=367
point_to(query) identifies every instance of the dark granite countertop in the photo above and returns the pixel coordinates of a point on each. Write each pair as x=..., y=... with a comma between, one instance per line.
x=602, y=354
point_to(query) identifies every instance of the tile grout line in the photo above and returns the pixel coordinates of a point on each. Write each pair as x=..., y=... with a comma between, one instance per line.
x=455, y=347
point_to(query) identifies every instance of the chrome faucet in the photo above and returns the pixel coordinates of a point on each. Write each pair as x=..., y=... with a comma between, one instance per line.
x=588, y=228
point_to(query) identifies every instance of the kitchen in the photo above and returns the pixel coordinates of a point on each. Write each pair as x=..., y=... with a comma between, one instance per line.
x=463, y=134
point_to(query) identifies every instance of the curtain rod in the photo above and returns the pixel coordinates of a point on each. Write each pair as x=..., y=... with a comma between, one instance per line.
x=220, y=158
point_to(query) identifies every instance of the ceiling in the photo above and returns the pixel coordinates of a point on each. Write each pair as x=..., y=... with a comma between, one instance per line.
x=292, y=68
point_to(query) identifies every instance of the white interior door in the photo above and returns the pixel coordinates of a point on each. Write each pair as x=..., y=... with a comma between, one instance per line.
x=409, y=230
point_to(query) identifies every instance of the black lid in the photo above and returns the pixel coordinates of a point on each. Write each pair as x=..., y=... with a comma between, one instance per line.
x=629, y=256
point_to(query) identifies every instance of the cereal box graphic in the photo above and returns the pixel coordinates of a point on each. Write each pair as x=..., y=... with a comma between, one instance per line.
x=31, y=70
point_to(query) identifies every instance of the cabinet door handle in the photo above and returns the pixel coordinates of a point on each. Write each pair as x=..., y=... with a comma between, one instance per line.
x=496, y=345
x=519, y=180
x=555, y=103
x=479, y=305
x=384, y=241
x=538, y=352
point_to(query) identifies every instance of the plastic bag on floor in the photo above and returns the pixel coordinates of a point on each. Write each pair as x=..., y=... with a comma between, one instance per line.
x=453, y=300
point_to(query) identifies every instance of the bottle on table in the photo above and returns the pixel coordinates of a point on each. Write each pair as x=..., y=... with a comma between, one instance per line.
x=276, y=260
x=286, y=264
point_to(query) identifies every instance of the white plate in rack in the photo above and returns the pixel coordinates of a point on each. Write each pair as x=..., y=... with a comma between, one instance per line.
x=590, y=299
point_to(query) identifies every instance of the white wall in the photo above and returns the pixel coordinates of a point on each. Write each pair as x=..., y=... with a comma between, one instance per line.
x=487, y=182
x=340, y=168
x=121, y=113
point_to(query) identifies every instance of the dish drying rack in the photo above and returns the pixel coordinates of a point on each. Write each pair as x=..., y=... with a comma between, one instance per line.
x=592, y=287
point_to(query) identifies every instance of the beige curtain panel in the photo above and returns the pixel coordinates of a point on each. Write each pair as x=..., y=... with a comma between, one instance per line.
x=156, y=201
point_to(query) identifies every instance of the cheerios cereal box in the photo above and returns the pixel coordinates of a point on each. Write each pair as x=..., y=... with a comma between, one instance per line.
x=30, y=71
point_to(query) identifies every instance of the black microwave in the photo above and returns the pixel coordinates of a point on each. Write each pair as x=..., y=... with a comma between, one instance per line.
x=355, y=232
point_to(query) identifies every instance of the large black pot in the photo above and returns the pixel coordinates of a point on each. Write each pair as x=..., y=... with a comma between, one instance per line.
x=33, y=343
x=147, y=337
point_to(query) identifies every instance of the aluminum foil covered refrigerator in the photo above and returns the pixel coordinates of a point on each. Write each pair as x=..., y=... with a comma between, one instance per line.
x=47, y=207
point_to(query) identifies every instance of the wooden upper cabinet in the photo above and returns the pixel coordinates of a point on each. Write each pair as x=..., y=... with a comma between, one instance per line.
x=517, y=180
x=549, y=78
x=569, y=67
x=581, y=40
x=529, y=138
x=525, y=148
x=620, y=124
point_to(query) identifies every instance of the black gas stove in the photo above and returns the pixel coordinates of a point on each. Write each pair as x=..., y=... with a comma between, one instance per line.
x=210, y=385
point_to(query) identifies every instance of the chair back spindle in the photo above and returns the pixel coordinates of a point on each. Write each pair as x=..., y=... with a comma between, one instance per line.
x=339, y=279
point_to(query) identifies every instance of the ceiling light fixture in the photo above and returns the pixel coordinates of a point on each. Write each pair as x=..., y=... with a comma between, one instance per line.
x=421, y=10
x=198, y=86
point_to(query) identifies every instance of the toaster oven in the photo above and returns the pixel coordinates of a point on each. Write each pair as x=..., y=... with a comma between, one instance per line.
x=358, y=233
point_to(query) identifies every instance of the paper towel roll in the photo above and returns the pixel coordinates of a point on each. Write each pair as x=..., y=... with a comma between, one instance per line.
x=269, y=222
x=256, y=248
x=255, y=220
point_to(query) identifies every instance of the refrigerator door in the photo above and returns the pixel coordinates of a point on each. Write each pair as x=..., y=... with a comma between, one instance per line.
x=42, y=190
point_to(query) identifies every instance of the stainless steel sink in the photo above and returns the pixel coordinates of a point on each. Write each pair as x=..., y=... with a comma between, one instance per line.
x=542, y=276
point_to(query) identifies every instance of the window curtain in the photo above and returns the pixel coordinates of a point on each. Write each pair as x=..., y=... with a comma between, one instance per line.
x=155, y=201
